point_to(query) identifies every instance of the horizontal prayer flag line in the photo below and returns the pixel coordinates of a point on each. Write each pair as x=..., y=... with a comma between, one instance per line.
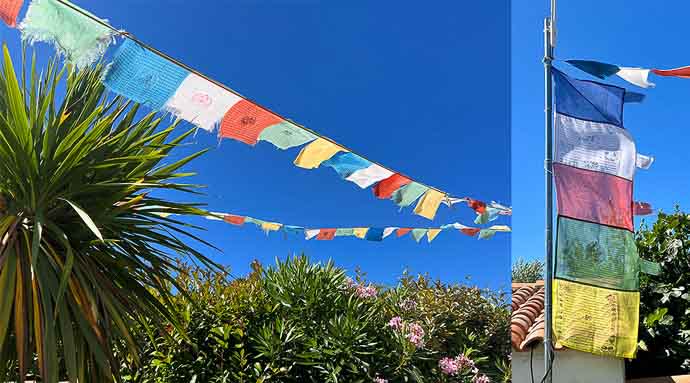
x=376, y=234
x=148, y=76
x=635, y=76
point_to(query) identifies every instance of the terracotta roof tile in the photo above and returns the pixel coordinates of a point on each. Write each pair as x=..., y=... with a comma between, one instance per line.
x=527, y=319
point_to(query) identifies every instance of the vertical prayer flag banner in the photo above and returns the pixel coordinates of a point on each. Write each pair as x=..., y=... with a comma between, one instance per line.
x=595, y=320
x=201, y=102
x=143, y=76
x=9, y=10
x=81, y=39
x=597, y=255
x=595, y=146
x=593, y=196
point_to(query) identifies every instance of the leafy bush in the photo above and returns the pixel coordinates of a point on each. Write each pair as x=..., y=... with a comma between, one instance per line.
x=527, y=271
x=664, y=347
x=307, y=322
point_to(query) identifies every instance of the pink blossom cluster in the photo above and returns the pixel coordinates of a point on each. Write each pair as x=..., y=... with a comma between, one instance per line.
x=408, y=304
x=454, y=366
x=368, y=291
x=380, y=380
x=415, y=332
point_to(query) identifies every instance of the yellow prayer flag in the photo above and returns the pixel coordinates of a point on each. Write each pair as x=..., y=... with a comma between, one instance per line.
x=595, y=320
x=428, y=205
x=317, y=152
x=360, y=232
x=500, y=228
x=432, y=233
x=270, y=226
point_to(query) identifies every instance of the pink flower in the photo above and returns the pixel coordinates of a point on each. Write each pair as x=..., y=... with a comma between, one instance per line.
x=408, y=304
x=465, y=362
x=481, y=379
x=396, y=323
x=349, y=282
x=366, y=291
x=380, y=380
x=449, y=366
x=416, y=334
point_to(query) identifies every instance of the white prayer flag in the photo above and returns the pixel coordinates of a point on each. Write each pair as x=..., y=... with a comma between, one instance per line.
x=369, y=176
x=636, y=76
x=594, y=146
x=644, y=162
x=201, y=102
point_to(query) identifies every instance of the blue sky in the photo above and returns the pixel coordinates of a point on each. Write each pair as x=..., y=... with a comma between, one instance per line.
x=411, y=87
x=626, y=33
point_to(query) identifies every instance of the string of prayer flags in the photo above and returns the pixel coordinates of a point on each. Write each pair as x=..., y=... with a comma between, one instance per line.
x=143, y=76
x=151, y=78
x=597, y=266
x=9, y=11
x=376, y=234
x=635, y=76
x=82, y=40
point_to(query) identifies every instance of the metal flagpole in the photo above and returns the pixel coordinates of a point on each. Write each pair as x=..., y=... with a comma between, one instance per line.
x=549, y=42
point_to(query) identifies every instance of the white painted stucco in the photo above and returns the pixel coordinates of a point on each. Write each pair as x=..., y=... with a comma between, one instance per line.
x=569, y=367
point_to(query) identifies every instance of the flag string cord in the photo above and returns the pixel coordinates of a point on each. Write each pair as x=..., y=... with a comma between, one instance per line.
x=130, y=36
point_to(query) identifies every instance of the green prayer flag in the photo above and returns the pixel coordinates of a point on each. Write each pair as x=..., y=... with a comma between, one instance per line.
x=649, y=267
x=596, y=255
x=81, y=39
x=344, y=232
x=285, y=135
x=418, y=234
x=409, y=193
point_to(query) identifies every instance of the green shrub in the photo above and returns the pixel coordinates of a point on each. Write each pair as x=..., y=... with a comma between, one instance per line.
x=664, y=332
x=308, y=322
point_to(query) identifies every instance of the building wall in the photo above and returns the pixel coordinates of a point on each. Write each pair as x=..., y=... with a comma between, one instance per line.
x=569, y=367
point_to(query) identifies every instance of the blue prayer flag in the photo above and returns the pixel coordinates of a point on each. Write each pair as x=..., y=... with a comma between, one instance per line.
x=588, y=100
x=346, y=163
x=374, y=234
x=143, y=76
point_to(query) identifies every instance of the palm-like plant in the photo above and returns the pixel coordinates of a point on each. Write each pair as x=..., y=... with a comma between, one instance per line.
x=85, y=249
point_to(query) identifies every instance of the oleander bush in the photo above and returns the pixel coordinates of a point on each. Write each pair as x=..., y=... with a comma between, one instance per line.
x=664, y=332
x=300, y=321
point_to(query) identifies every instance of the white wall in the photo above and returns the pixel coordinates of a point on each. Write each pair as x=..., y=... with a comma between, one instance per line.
x=569, y=367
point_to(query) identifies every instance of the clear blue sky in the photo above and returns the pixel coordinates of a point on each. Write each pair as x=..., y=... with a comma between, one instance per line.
x=626, y=33
x=423, y=90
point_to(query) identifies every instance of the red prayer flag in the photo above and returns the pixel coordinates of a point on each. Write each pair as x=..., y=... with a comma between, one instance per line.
x=9, y=10
x=471, y=231
x=402, y=231
x=245, y=121
x=234, y=219
x=642, y=208
x=683, y=72
x=387, y=187
x=325, y=234
x=478, y=206
x=594, y=196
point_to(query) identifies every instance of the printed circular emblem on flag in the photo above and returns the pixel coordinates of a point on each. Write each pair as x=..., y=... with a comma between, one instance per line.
x=245, y=121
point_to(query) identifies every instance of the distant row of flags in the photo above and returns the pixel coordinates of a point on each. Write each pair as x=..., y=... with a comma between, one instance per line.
x=147, y=76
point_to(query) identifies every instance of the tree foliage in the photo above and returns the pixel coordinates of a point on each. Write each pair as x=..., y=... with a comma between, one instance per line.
x=527, y=271
x=84, y=250
x=664, y=333
x=307, y=322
